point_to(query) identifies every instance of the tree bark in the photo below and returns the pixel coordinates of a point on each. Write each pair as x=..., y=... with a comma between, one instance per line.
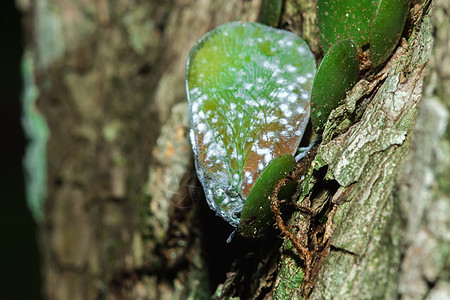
x=112, y=183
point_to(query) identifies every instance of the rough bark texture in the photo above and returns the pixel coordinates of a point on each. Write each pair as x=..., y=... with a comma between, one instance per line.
x=121, y=215
x=390, y=237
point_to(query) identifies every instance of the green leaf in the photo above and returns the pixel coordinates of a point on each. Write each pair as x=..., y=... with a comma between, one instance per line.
x=337, y=74
x=269, y=12
x=256, y=214
x=345, y=19
x=376, y=24
x=387, y=29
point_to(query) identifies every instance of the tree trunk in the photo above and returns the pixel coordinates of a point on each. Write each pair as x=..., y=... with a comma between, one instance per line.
x=112, y=183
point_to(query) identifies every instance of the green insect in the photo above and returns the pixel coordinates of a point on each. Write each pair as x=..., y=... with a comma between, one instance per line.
x=250, y=87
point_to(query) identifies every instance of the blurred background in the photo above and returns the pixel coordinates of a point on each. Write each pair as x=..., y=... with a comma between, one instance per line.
x=19, y=274
x=81, y=225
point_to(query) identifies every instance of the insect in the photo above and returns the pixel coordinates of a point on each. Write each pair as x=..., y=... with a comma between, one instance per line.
x=248, y=88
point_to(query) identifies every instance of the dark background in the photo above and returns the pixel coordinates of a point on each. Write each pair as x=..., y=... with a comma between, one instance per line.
x=19, y=257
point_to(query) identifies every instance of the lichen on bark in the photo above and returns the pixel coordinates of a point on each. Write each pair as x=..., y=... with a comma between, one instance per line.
x=365, y=249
